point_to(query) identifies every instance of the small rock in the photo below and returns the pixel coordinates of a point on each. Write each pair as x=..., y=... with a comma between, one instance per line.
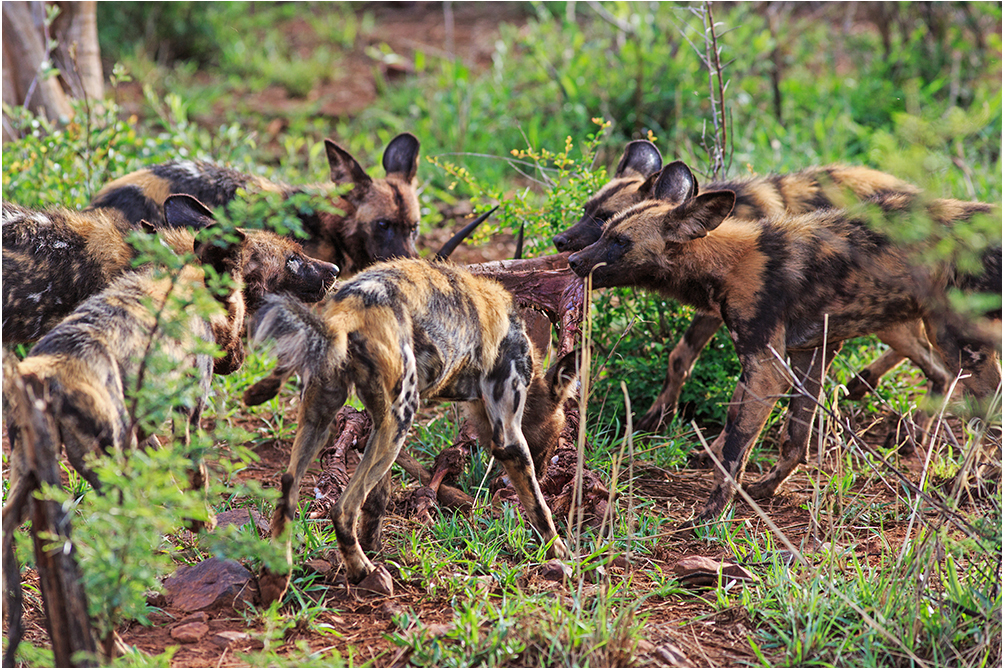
x=704, y=571
x=377, y=583
x=621, y=562
x=319, y=566
x=230, y=639
x=209, y=584
x=156, y=599
x=200, y=617
x=555, y=571
x=190, y=632
x=242, y=517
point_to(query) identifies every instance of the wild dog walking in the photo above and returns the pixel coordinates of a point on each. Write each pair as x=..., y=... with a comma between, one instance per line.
x=792, y=285
x=379, y=219
x=399, y=332
x=86, y=371
x=756, y=198
x=54, y=259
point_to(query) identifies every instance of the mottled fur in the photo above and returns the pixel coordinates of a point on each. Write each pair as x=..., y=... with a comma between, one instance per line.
x=379, y=218
x=756, y=198
x=54, y=259
x=773, y=281
x=402, y=331
x=84, y=371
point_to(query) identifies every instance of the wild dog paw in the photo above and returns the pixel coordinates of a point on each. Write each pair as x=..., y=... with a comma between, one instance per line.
x=272, y=586
x=558, y=549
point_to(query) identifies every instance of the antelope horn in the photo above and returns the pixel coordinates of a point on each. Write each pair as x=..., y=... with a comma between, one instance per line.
x=459, y=236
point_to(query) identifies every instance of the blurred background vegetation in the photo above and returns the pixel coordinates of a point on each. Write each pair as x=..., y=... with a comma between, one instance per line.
x=909, y=88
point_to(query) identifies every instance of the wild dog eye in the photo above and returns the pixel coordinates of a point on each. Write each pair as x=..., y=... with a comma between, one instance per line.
x=383, y=225
x=293, y=264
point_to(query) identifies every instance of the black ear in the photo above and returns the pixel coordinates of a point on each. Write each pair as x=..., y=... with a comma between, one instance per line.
x=696, y=217
x=641, y=157
x=184, y=211
x=147, y=227
x=219, y=248
x=675, y=184
x=563, y=375
x=344, y=168
x=402, y=156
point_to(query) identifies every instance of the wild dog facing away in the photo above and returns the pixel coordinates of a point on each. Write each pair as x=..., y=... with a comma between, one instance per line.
x=756, y=198
x=402, y=331
x=379, y=218
x=55, y=259
x=773, y=282
x=86, y=371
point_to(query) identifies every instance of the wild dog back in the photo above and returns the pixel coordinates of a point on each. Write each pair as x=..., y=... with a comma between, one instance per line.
x=756, y=197
x=378, y=218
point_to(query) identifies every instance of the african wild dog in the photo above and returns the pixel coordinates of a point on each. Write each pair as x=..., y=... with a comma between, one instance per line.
x=756, y=198
x=797, y=285
x=380, y=219
x=54, y=259
x=402, y=331
x=86, y=370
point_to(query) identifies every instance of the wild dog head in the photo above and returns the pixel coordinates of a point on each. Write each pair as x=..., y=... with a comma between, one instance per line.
x=632, y=183
x=637, y=246
x=543, y=415
x=269, y=263
x=381, y=216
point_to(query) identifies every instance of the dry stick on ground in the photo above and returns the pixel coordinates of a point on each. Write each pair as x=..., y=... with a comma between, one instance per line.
x=59, y=576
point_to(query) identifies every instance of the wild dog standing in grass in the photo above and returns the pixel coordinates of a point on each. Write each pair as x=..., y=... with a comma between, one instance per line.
x=756, y=198
x=88, y=371
x=795, y=285
x=379, y=219
x=399, y=332
x=54, y=259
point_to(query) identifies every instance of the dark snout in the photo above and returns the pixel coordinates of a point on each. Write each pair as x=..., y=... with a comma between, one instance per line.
x=315, y=281
x=579, y=236
x=582, y=262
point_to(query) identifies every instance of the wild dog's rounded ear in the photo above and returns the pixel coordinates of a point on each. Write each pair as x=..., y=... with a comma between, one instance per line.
x=219, y=248
x=344, y=168
x=675, y=183
x=563, y=375
x=696, y=217
x=147, y=227
x=641, y=157
x=184, y=211
x=401, y=156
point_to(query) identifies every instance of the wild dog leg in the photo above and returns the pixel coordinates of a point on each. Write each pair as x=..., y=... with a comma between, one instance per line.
x=760, y=385
x=319, y=402
x=392, y=417
x=906, y=340
x=682, y=360
x=809, y=371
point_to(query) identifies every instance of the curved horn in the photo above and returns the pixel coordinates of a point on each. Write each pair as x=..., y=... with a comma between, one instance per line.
x=519, y=243
x=453, y=242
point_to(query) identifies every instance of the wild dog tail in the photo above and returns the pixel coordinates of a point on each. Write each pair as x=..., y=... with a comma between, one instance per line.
x=301, y=341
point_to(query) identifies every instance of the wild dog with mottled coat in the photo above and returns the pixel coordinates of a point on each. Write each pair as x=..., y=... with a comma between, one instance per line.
x=86, y=370
x=398, y=332
x=56, y=258
x=756, y=198
x=795, y=285
x=379, y=219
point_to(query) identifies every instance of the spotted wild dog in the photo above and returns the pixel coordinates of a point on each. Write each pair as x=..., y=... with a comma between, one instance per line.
x=54, y=259
x=84, y=373
x=380, y=218
x=398, y=332
x=756, y=198
x=795, y=285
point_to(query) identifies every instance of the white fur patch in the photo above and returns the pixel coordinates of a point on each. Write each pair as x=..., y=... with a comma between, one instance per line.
x=374, y=288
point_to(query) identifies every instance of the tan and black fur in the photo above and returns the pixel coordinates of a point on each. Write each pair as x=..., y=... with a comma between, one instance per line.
x=85, y=371
x=756, y=198
x=379, y=218
x=773, y=282
x=398, y=332
x=54, y=259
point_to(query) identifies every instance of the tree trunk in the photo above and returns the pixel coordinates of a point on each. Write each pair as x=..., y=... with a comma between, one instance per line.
x=77, y=53
x=24, y=52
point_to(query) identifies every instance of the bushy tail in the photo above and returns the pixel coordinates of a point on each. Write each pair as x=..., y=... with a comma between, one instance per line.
x=300, y=340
